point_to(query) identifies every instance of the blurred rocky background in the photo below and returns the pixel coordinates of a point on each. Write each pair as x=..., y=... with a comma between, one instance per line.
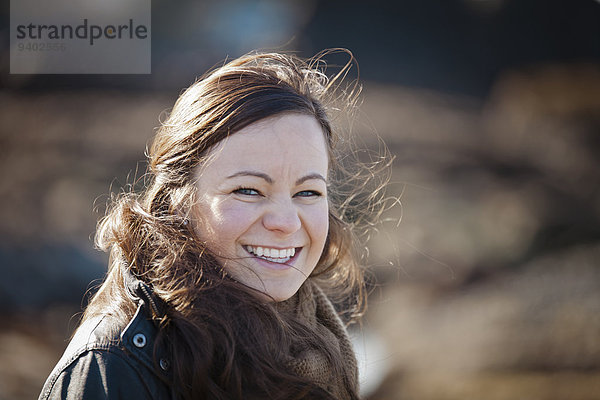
x=486, y=279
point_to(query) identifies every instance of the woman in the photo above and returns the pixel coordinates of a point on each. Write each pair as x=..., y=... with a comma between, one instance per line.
x=217, y=269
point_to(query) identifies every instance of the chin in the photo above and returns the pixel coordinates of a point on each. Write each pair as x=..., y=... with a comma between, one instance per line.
x=279, y=295
x=278, y=299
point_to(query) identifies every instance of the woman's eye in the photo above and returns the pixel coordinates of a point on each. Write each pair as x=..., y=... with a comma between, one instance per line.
x=246, y=192
x=308, y=193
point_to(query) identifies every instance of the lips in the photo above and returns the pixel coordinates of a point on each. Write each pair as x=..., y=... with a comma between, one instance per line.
x=279, y=256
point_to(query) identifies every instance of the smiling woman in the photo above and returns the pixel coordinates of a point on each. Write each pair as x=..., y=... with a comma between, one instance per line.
x=219, y=268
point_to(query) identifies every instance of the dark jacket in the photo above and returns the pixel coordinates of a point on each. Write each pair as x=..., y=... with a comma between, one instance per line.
x=103, y=361
x=107, y=360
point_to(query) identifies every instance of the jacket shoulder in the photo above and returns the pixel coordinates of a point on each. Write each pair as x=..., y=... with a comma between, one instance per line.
x=104, y=360
x=98, y=374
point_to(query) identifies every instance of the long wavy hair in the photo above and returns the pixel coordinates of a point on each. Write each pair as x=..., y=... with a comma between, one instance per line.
x=213, y=326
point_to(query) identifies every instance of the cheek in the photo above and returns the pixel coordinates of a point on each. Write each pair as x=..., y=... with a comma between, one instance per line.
x=317, y=225
x=223, y=221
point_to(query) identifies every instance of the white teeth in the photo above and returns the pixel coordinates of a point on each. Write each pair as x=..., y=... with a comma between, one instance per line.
x=273, y=255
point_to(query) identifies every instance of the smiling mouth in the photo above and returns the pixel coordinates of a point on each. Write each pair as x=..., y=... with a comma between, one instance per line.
x=279, y=256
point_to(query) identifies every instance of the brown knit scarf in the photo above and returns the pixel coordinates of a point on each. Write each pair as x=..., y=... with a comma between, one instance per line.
x=312, y=305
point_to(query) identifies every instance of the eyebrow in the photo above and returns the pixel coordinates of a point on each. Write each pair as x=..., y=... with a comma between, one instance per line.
x=268, y=179
x=309, y=177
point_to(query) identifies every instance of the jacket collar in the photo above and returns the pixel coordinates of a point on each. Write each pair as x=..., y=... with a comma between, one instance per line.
x=139, y=336
x=138, y=291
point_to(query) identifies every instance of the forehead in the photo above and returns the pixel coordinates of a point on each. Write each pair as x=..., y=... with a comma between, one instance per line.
x=287, y=142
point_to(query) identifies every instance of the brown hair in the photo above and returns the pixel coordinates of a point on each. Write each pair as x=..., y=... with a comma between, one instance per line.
x=213, y=325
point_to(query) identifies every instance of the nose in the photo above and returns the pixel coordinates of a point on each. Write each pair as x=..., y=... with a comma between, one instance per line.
x=282, y=216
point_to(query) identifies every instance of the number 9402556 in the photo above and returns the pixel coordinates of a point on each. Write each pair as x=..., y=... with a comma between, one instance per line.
x=28, y=46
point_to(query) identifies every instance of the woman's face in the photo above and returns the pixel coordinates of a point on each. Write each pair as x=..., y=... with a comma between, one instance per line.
x=262, y=206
